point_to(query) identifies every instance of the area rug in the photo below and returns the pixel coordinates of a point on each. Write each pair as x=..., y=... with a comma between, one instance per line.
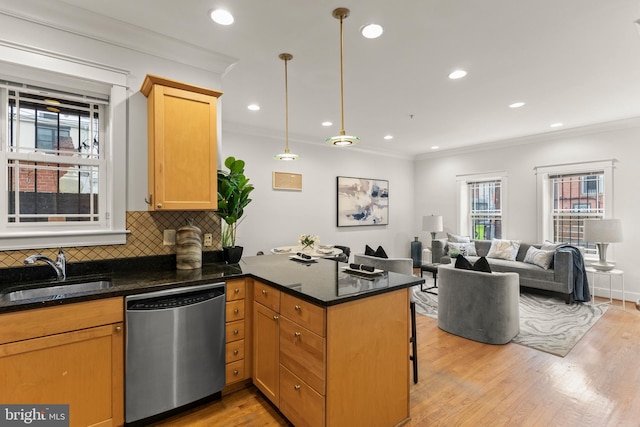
x=546, y=323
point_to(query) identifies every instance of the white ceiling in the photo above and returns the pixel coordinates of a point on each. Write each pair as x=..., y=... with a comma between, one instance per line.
x=571, y=61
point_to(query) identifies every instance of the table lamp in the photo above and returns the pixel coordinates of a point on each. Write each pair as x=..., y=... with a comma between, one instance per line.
x=602, y=232
x=432, y=224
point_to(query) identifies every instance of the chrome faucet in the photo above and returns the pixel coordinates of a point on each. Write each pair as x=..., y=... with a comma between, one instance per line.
x=60, y=266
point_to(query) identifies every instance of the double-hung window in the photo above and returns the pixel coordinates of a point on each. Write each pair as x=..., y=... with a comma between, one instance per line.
x=56, y=165
x=485, y=213
x=62, y=151
x=571, y=194
x=481, y=201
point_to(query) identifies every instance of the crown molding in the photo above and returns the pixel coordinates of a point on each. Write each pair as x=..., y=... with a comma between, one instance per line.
x=73, y=20
x=627, y=123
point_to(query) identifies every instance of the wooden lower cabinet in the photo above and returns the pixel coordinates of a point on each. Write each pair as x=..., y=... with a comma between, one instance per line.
x=46, y=359
x=346, y=364
x=266, y=330
x=238, y=330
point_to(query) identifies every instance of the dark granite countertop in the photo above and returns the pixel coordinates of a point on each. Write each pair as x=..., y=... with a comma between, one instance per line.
x=323, y=282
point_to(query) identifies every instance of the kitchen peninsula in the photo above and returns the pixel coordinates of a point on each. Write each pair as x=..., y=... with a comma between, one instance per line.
x=338, y=350
x=327, y=347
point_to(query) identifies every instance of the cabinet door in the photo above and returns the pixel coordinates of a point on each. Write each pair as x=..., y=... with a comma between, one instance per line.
x=265, y=351
x=182, y=150
x=82, y=368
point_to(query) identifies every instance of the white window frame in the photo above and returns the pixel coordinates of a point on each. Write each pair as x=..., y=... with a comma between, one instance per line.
x=544, y=192
x=57, y=71
x=462, y=197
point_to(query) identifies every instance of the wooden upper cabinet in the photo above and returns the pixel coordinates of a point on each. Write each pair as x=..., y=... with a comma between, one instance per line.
x=182, y=127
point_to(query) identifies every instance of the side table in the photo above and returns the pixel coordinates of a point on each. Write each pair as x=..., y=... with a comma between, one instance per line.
x=433, y=269
x=610, y=275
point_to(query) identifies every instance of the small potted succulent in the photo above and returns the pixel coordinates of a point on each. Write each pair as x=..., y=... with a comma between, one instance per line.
x=233, y=197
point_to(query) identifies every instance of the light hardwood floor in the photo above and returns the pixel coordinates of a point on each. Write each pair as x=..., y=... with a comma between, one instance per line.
x=464, y=383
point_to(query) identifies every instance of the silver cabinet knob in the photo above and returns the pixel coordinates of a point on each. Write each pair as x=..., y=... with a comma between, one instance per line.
x=298, y=308
x=236, y=311
x=118, y=328
x=275, y=317
x=264, y=292
x=235, y=372
x=236, y=290
x=296, y=387
x=235, y=352
x=296, y=334
x=236, y=332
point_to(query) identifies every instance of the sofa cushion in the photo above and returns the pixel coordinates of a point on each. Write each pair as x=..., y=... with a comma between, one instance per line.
x=504, y=249
x=528, y=271
x=368, y=250
x=540, y=257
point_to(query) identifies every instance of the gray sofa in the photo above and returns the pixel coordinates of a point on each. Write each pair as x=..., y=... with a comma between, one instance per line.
x=559, y=278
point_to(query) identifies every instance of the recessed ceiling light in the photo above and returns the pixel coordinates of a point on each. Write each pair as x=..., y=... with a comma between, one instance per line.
x=325, y=124
x=457, y=74
x=388, y=137
x=435, y=147
x=556, y=125
x=253, y=107
x=516, y=105
x=221, y=16
x=371, y=31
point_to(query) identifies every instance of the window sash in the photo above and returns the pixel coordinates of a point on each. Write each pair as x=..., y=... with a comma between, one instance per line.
x=76, y=166
x=485, y=209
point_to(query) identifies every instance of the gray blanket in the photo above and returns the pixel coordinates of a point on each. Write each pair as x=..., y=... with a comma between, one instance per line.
x=581, y=291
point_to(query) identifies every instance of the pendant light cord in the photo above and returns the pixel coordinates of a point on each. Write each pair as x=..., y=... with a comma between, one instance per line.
x=286, y=108
x=342, y=131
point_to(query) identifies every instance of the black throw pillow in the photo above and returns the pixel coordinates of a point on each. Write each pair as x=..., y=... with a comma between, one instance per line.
x=463, y=263
x=482, y=265
x=380, y=253
x=368, y=250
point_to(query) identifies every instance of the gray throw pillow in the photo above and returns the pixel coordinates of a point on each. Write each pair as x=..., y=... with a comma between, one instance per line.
x=540, y=257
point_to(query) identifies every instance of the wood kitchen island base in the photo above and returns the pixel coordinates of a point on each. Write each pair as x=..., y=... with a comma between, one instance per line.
x=341, y=365
x=367, y=354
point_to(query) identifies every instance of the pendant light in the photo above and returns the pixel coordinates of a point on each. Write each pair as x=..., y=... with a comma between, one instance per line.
x=286, y=155
x=343, y=139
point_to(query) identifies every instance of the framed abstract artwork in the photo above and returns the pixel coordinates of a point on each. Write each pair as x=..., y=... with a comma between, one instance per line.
x=362, y=201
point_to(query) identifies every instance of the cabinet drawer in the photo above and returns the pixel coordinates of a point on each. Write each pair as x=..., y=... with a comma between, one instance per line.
x=235, y=351
x=235, y=310
x=235, y=290
x=303, y=353
x=234, y=372
x=267, y=296
x=304, y=313
x=302, y=405
x=235, y=330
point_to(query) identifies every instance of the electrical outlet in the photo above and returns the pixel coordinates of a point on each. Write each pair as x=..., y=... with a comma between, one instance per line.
x=208, y=239
x=169, y=237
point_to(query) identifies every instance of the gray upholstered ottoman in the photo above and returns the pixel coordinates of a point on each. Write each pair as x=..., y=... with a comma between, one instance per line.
x=483, y=307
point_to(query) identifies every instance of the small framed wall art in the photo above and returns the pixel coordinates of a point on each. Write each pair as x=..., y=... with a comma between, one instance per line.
x=362, y=201
x=287, y=181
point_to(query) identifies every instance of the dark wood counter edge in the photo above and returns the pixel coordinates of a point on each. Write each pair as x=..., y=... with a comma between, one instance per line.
x=121, y=291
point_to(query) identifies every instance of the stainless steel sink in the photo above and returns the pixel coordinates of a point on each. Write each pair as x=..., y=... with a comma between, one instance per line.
x=58, y=291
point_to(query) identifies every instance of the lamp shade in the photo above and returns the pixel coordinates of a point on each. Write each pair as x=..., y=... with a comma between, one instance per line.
x=603, y=230
x=432, y=223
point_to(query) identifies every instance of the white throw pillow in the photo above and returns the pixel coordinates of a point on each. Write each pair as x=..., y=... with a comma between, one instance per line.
x=466, y=249
x=453, y=238
x=540, y=257
x=504, y=249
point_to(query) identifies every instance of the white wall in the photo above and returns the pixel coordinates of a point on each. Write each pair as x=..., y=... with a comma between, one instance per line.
x=435, y=179
x=57, y=28
x=278, y=217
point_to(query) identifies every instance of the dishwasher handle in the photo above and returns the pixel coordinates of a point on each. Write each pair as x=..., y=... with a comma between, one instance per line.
x=174, y=298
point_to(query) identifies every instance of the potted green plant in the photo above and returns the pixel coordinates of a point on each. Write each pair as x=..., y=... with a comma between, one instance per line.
x=233, y=197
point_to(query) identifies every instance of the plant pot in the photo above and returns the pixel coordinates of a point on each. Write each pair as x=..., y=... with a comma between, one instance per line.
x=232, y=254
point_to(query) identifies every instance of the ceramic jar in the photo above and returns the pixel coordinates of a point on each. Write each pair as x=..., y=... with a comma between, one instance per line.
x=188, y=248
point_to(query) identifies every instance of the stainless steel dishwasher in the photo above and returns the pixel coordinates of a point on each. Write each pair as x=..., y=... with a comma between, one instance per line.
x=175, y=348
